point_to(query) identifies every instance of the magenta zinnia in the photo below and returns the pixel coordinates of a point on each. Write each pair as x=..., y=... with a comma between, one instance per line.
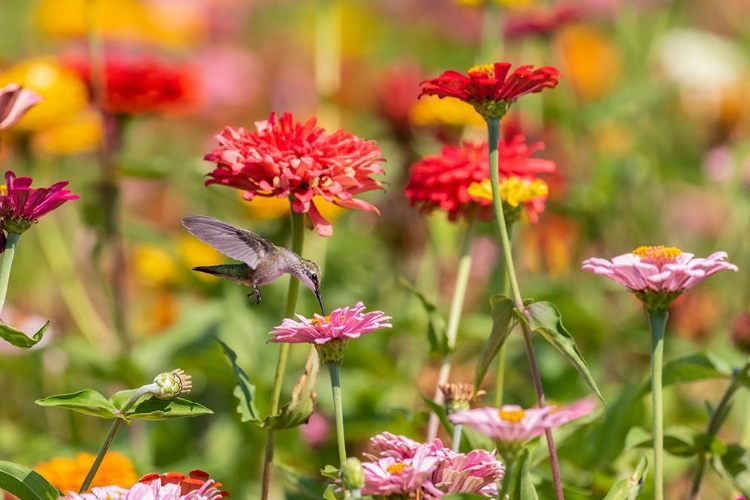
x=657, y=274
x=21, y=205
x=444, y=181
x=15, y=101
x=492, y=88
x=284, y=158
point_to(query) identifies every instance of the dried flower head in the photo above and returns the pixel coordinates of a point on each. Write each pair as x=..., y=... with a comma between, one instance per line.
x=458, y=396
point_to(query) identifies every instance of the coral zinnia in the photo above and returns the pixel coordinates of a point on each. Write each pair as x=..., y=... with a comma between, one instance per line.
x=21, y=205
x=289, y=159
x=14, y=102
x=657, y=274
x=143, y=84
x=443, y=181
x=68, y=473
x=490, y=88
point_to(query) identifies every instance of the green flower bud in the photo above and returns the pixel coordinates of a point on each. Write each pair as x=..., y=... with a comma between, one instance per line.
x=352, y=474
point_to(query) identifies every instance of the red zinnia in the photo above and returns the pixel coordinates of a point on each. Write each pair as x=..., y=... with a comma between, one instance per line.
x=143, y=84
x=21, y=205
x=443, y=181
x=489, y=88
x=285, y=158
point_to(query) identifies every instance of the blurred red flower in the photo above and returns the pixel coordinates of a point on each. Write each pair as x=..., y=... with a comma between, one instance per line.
x=143, y=84
x=284, y=158
x=540, y=22
x=442, y=181
x=490, y=88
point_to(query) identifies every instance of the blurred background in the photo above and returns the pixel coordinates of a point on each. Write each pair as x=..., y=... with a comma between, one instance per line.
x=649, y=127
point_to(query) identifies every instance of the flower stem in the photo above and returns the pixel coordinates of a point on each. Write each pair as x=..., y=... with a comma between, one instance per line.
x=457, y=430
x=657, y=322
x=10, y=250
x=454, y=316
x=291, y=305
x=335, y=370
x=493, y=128
x=500, y=375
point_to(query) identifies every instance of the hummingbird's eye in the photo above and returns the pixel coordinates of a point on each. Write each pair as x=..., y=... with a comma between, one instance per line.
x=314, y=277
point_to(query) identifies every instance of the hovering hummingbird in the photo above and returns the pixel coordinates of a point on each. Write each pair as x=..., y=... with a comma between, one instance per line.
x=263, y=261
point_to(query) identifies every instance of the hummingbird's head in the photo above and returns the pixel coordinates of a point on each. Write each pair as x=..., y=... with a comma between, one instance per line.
x=309, y=274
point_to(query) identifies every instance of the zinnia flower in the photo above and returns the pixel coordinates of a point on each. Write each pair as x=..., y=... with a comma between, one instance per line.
x=14, y=102
x=289, y=159
x=657, y=274
x=68, y=473
x=443, y=181
x=143, y=84
x=490, y=88
x=169, y=486
x=21, y=205
x=331, y=333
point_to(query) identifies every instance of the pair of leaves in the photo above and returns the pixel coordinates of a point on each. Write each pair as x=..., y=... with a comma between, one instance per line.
x=436, y=327
x=678, y=441
x=736, y=463
x=92, y=403
x=20, y=339
x=25, y=483
x=690, y=368
x=294, y=413
x=542, y=318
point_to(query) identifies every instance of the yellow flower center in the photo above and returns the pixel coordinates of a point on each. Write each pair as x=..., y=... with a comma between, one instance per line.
x=657, y=255
x=513, y=190
x=513, y=416
x=318, y=322
x=488, y=69
x=3, y=190
x=397, y=468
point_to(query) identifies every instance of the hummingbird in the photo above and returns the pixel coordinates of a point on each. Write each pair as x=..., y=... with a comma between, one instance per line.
x=262, y=261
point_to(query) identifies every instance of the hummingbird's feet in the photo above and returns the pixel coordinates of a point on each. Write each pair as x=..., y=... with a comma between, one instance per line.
x=256, y=291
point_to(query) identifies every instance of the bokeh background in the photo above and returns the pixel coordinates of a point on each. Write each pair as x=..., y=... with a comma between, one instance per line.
x=649, y=127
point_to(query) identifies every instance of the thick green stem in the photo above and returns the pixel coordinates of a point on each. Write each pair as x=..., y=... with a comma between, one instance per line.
x=335, y=370
x=298, y=237
x=493, y=128
x=454, y=316
x=500, y=375
x=10, y=250
x=657, y=323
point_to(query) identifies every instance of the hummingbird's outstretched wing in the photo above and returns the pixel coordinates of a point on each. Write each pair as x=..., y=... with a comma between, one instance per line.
x=232, y=241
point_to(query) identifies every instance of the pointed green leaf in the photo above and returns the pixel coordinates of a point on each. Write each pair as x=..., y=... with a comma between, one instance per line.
x=736, y=462
x=329, y=471
x=245, y=390
x=302, y=405
x=630, y=487
x=503, y=321
x=159, y=409
x=300, y=485
x=330, y=493
x=678, y=441
x=20, y=339
x=690, y=368
x=436, y=334
x=86, y=401
x=25, y=483
x=523, y=485
x=544, y=319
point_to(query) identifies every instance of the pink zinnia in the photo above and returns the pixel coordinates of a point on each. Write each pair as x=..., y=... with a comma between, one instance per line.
x=21, y=205
x=169, y=486
x=658, y=274
x=284, y=158
x=492, y=88
x=15, y=101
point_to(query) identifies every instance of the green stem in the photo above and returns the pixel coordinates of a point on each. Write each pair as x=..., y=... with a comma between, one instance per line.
x=298, y=237
x=500, y=375
x=457, y=430
x=454, y=316
x=335, y=370
x=493, y=129
x=657, y=323
x=10, y=250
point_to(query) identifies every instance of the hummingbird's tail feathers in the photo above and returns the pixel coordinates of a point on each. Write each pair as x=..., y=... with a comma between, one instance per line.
x=208, y=270
x=232, y=241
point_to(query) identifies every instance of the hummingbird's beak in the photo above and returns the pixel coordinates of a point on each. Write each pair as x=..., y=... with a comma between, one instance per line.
x=320, y=301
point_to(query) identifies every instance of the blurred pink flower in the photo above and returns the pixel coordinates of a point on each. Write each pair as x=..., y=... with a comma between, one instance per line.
x=658, y=269
x=540, y=21
x=316, y=431
x=15, y=101
x=21, y=205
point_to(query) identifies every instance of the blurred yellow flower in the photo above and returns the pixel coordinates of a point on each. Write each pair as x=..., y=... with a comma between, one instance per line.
x=65, y=94
x=67, y=474
x=262, y=207
x=81, y=134
x=196, y=253
x=155, y=266
x=592, y=63
x=161, y=310
x=170, y=24
x=436, y=111
x=513, y=190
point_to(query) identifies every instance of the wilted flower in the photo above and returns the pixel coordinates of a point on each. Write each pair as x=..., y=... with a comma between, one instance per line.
x=444, y=181
x=14, y=102
x=490, y=88
x=330, y=334
x=21, y=205
x=289, y=159
x=657, y=274
x=68, y=473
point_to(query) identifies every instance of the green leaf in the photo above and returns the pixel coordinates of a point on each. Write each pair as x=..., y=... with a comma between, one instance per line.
x=678, y=441
x=245, y=390
x=302, y=485
x=630, y=487
x=330, y=493
x=86, y=401
x=690, y=368
x=736, y=462
x=523, y=485
x=20, y=339
x=544, y=319
x=503, y=321
x=302, y=405
x=436, y=334
x=25, y=483
x=329, y=471
x=159, y=409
